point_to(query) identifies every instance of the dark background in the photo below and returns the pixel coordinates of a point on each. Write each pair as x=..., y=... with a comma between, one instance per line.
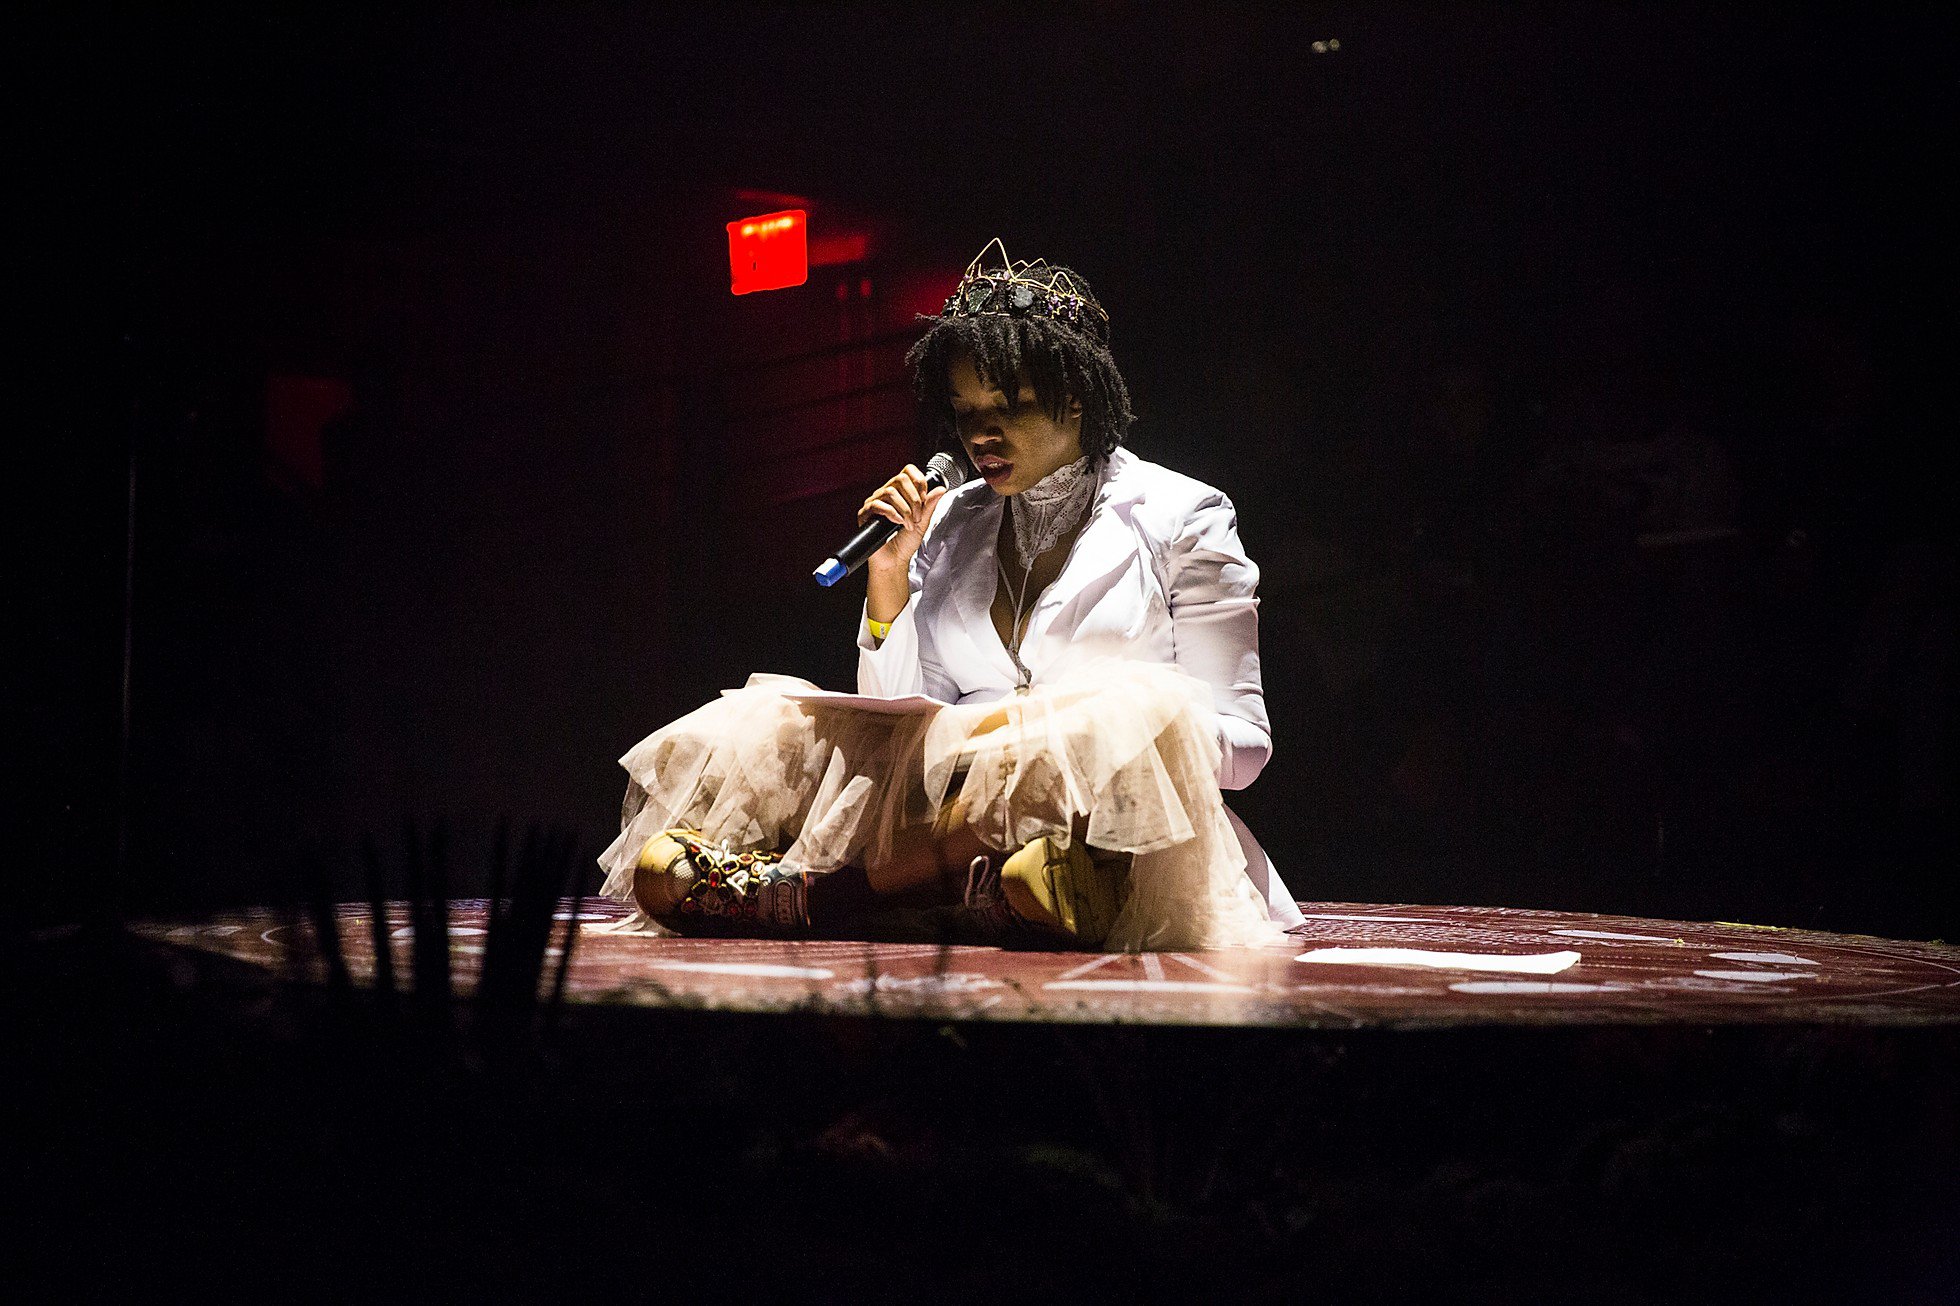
x=1574, y=370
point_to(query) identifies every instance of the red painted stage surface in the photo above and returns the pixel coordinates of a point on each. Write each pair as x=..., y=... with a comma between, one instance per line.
x=1446, y=966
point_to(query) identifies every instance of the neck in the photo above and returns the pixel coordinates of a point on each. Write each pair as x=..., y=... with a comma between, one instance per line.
x=1058, y=481
x=1046, y=512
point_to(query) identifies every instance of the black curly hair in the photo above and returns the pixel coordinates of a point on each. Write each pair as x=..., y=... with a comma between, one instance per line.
x=1058, y=360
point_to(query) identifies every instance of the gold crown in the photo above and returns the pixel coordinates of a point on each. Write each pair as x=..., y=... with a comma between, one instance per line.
x=1018, y=291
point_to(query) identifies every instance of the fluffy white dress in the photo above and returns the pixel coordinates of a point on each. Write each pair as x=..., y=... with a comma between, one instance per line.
x=1145, y=701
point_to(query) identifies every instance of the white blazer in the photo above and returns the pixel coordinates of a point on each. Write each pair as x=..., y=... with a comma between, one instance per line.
x=1158, y=574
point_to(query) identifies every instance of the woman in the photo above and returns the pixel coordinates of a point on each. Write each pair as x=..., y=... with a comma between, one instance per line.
x=1086, y=625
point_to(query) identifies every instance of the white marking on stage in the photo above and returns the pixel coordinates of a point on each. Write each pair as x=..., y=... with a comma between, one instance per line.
x=1201, y=967
x=1534, y=986
x=1147, y=986
x=752, y=969
x=1608, y=934
x=1088, y=966
x=1372, y=990
x=1343, y=916
x=1758, y=976
x=952, y=982
x=1764, y=958
x=1545, y=963
x=1153, y=966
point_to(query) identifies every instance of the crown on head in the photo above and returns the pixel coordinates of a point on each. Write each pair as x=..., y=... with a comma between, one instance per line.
x=1021, y=290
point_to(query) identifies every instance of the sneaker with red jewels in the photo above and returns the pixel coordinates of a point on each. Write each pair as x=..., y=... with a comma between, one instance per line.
x=693, y=885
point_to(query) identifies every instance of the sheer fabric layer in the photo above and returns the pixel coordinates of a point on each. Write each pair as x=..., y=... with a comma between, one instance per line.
x=1122, y=755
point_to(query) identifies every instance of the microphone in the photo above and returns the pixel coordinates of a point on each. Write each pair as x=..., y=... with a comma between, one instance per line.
x=941, y=469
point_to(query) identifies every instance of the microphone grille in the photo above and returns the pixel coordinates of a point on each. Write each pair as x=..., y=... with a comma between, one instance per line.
x=947, y=468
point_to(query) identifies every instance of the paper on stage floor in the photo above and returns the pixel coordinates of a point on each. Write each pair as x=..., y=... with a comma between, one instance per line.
x=1537, y=963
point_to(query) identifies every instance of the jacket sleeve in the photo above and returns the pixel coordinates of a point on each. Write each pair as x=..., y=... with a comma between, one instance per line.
x=1215, y=632
x=905, y=661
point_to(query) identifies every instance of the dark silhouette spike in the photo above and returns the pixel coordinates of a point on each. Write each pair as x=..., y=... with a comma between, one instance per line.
x=577, y=887
x=430, y=950
x=499, y=871
x=295, y=942
x=437, y=867
x=528, y=857
x=414, y=883
x=493, y=984
x=496, y=939
x=531, y=920
x=379, y=924
x=318, y=890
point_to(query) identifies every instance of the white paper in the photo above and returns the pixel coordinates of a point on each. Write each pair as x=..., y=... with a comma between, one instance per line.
x=1539, y=963
x=867, y=702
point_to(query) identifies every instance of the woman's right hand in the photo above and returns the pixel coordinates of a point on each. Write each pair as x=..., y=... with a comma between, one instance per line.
x=907, y=500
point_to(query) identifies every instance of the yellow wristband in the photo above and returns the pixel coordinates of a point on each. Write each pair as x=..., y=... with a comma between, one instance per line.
x=879, y=629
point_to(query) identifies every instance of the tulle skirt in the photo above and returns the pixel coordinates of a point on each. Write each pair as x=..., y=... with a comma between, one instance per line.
x=1121, y=754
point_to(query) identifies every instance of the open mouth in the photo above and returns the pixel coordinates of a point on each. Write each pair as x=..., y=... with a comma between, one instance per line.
x=993, y=470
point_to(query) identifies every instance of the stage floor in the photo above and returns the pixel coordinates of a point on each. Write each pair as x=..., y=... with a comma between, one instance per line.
x=1351, y=966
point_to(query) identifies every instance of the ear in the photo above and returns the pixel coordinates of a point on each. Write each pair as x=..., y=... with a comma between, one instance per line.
x=1074, y=407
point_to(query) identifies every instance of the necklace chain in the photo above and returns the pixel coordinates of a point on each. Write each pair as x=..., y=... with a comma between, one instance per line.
x=1042, y=514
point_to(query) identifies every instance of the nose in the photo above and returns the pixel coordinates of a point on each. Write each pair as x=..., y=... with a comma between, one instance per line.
x=975, y=426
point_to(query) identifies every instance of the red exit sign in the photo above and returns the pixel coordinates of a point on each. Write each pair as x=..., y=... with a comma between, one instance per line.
x=769, y=251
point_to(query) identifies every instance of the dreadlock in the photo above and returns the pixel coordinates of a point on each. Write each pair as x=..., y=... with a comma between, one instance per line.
x=1059, y=361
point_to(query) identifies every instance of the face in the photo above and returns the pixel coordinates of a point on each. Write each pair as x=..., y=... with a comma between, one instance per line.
x=1012, y=442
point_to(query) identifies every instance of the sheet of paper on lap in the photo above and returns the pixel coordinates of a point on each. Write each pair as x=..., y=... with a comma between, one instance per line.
x=867, y=702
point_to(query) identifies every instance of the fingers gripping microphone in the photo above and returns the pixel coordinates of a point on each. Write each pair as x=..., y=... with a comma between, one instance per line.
x=943, y=469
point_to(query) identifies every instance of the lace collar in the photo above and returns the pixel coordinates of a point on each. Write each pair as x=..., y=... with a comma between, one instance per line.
x=1051, y=507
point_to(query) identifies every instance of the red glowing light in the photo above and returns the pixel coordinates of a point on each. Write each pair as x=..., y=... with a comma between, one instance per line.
x=839, y=247
x=768, y=252
x=298, y=410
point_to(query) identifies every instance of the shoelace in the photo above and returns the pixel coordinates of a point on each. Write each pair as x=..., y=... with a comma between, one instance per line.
x=982, y=883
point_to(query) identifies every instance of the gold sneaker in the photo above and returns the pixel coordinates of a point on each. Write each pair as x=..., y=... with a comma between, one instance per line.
x=696, y=887
x=1066, y=889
